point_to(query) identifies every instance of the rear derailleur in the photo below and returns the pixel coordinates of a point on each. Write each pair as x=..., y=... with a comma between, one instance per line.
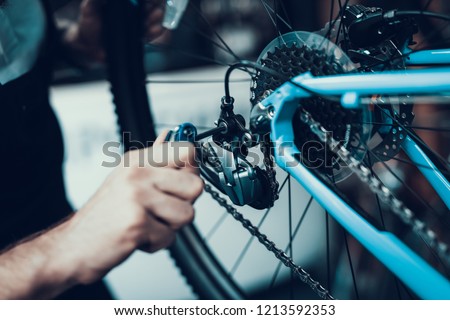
x=223, y=159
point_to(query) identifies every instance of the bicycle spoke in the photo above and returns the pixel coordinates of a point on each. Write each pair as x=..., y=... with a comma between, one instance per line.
x=274, y=20
x=436, y=258
x=247, y=246
x=409, y=162
x=216, y=226
x=342, y=8
x=251, y=239
x=287, y=22
x=341, y=11
x=269, y=10
x=332, y=11
x=187, y=54
x=349, y=257
x=408, y=291
x=413, y=193
x=291, y=252
x=331, y=26
x=202, y=16
x=210, y=39
x=327, y=229
x=383, y=224
x=439, y=129
x=401, y=160
x=425, y=203
x=297, y=228
x=377, y=198
x=422, y=201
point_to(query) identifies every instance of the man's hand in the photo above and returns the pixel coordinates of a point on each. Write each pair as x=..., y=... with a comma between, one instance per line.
x=86, y=35
x=139, y=206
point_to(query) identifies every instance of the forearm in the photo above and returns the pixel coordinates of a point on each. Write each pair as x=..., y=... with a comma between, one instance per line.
x=79, y=50
x=38, y=268
x=82, y=39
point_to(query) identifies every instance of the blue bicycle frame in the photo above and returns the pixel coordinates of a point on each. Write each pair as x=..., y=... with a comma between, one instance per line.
x=428, y=57
x=414, y=271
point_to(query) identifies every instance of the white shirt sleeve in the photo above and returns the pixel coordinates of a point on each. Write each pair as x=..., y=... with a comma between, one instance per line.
x=22, y=32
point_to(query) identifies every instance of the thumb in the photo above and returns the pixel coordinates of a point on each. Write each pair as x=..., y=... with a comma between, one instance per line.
x=161, y=138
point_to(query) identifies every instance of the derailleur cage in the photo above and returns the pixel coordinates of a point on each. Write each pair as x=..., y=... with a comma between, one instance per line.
x=226, y=166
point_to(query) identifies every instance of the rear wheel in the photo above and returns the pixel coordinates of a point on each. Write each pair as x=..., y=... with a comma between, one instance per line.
x=218, y=257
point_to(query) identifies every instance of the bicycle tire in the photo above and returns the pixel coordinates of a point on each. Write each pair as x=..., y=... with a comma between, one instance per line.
x=126, y=74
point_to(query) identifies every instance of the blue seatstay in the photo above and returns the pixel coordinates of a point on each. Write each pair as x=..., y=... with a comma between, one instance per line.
x=428, y=57
x=415, y=272
x=352, y=86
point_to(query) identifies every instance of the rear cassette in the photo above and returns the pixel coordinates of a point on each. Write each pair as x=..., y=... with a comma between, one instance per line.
x=299, y=52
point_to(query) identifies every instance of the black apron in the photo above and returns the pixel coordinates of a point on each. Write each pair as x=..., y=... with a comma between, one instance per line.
x=32, y=195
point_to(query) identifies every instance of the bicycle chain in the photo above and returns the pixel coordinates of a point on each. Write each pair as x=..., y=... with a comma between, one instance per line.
x=377, y=186
x=298, y=271
x=364, y=174
x=269, y=163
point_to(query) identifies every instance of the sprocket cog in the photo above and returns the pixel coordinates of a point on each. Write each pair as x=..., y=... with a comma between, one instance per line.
x=299, y=52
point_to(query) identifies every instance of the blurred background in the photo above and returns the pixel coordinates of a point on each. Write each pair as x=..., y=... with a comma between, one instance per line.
x=245, y=26
x=195, y=51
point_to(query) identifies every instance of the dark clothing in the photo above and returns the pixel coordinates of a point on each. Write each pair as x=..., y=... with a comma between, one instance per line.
x=32, y=194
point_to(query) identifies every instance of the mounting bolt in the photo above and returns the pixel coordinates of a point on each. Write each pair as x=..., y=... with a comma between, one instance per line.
x=271, y=111
x=247, y=139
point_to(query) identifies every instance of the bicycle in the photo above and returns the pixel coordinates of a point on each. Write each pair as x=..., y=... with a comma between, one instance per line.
x=363, y=90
